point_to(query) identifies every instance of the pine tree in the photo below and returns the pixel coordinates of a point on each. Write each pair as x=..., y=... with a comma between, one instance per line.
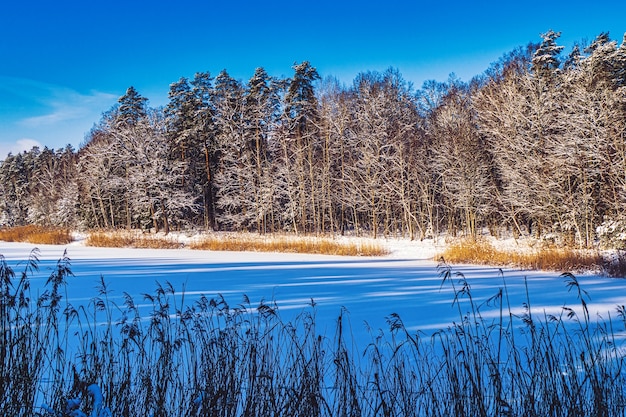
x=546, y=60
x=620, y=64
x=15, y=174
x=53, y=194
x=188, y=147
x=599, y=63
x=206, y=143
x=300, y=100
x=180, y=115
x=132, y=108
x=301, y=146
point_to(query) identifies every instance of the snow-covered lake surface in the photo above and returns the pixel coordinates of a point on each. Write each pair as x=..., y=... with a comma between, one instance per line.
x=406, y=282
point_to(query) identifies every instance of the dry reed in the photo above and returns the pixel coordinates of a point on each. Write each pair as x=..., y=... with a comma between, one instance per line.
x=231, y=242
x=124, y=239
x=37, y=235
x=167, y=358
x=548, y=258
x=288, y=244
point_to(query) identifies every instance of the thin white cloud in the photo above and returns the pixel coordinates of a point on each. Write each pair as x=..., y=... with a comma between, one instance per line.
x=63, y=104
x=20, y=145
x=58, y=115
x=47, y=113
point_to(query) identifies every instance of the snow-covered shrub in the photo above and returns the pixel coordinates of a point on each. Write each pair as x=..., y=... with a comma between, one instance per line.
x=612, y=234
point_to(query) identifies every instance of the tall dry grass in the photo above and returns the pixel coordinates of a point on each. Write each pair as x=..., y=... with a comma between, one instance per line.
x=546, y=258
x=222, y=242
x=165, y=357
x=131, y=239
x=240, y=242
x=288, y=244
x=37, y=235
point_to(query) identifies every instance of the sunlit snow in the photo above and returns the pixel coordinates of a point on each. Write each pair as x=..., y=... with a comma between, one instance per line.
x=406, y=282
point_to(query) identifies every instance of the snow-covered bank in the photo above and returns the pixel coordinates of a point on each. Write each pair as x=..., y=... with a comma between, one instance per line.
x=406, y=282
x=366, y=292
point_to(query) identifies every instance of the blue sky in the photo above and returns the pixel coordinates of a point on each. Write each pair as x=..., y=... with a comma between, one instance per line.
x=63, y=63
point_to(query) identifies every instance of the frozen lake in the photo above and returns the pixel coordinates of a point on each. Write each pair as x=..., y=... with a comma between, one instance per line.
x=370, y=289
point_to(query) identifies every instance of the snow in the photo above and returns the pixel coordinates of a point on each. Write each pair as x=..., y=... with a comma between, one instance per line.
x=406, y=282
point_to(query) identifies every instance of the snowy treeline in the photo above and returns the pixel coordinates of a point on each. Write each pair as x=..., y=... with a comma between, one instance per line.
x=536, y=144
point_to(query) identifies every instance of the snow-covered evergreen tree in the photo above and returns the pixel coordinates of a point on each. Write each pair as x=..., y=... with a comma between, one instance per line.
x=132, y=108
x=205, y=143
x=546, y=61
x=300, y=142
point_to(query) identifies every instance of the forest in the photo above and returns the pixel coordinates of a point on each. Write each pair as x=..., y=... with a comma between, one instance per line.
x=536, y=145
